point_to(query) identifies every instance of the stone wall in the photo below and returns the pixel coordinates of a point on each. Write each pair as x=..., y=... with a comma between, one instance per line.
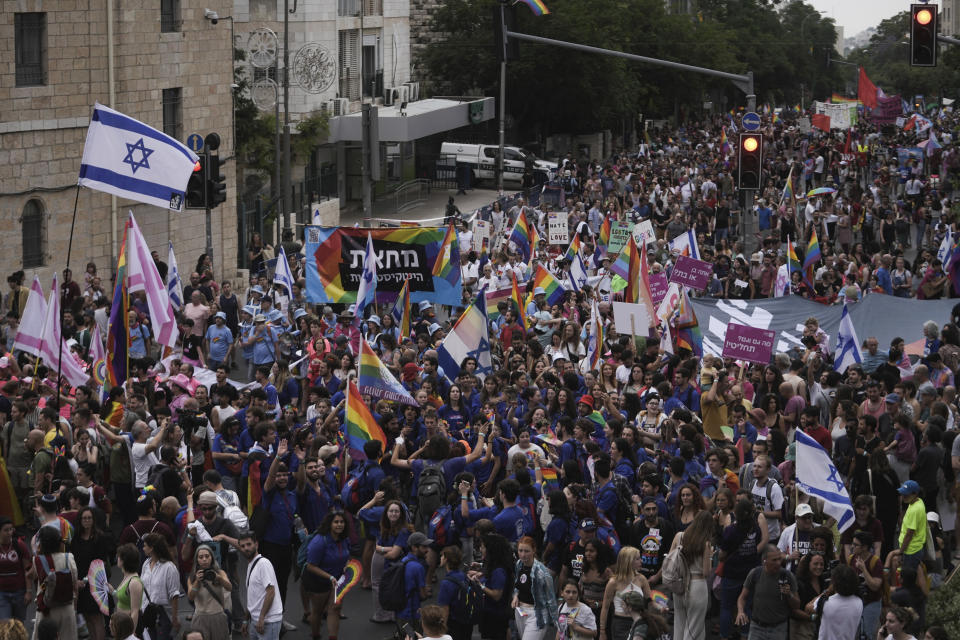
x=421, y=34
x=43, y=128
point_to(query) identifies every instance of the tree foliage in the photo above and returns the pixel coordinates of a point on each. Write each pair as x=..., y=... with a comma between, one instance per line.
x=552, y=89
x=886, y=59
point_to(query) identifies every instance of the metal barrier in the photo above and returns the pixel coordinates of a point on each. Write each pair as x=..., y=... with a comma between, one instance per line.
x=410, y=194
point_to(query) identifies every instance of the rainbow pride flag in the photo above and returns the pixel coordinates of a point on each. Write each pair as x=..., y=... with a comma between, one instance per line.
x=605, y=229
x=115, y=416
x=724, y=142
x=550, y=480
x=9, y=504
x=524, y=236
x=494, y=298
x=545, y=279
x=517, y=300
x=793, y=262
x=689, y=335
x=118, y=331
x=597, y=419
x=537, y=6
x=573, y=249
x=401, y=310
x=443, y=267
x=812, y=255
x=776, y=117
x=373, y=378
x=360, y=426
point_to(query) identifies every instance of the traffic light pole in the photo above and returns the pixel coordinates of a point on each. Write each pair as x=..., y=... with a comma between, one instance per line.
x=206, y=200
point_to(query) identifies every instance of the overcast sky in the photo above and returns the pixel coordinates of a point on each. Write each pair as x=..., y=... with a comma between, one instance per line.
x=856, y=15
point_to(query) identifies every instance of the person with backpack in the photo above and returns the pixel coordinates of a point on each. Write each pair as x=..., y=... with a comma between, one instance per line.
x=690, y=606
x=459, y=597
x=432, y=466
x=161, y=584
x=404, y=585
x=327, y=554
x=766, y=494
x=614, y=500
x=146, y=523
x=740, y=545
x=57, y=583
x=364, y=478
x=771, y=592
x=391, y=542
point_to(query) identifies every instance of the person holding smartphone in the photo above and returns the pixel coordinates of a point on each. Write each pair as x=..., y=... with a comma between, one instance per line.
x=895, y=624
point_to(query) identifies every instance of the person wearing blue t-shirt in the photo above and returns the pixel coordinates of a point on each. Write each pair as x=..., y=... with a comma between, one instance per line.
x=414, y=577
x=684, y=395
x=452, y=594
x=511, y=521
x=281, y=503
x=218, y=341
x=327, y=555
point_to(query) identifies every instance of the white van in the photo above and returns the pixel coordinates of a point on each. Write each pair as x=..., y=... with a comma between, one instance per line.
x=482, y=160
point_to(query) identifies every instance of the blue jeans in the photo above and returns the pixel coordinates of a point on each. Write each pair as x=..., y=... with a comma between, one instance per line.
x=778, y=632
x=912, y=560
x=271, y=630
x=870, y=619
x=12, y=605
x=729, y=592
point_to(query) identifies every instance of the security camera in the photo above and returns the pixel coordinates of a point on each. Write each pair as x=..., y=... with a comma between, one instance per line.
x=211, y=16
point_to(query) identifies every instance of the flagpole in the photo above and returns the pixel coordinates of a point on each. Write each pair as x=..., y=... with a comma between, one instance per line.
x=73, y=225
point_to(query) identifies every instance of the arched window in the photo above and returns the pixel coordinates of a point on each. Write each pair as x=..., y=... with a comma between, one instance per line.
x=33, y=236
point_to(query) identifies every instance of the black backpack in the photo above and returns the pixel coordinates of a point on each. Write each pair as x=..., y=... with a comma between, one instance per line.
x=466, y=608
x=431, y=489
x=393, y=592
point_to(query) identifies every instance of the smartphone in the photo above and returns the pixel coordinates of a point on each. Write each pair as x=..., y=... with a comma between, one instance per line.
x=408, y=631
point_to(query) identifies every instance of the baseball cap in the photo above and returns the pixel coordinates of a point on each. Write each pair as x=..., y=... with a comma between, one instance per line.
x=207, y=498
x=417, y=539
x=893, y=398
x=803, y=510
x=909, y=487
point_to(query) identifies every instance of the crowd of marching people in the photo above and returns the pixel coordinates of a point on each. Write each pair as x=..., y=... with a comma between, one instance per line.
x=552, y=494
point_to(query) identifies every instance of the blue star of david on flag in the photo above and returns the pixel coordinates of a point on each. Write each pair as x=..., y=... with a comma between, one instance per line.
x=816, y=476
x=144, y=154
x=834, y=479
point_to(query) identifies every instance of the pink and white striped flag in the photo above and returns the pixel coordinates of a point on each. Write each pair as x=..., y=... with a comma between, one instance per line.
x=30, y=332
x=142, y=275
x=53, y=346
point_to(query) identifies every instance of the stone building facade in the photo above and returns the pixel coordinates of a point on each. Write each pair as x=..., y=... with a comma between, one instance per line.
x=172, y=69
x=421, y=33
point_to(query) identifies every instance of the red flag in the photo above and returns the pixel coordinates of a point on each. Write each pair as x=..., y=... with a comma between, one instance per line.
x=820, y=121
x=866, y=90
x=846, y=145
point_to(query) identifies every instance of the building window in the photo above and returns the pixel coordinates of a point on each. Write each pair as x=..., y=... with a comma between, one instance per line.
x=32, y=231
x=349, y=49
x=169, y=16
x=173, y=113
x=31, y=48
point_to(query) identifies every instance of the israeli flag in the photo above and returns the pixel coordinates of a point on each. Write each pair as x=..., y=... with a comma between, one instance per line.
x=281, y=273
x=945, y=252
x=848, y=347
x=578, y=272
x=129, y=159
x=174, y=283
x=367, y=290
x=817, y=477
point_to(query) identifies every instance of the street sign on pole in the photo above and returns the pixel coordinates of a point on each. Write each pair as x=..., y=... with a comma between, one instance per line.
x=750, y=121
x=195, y=142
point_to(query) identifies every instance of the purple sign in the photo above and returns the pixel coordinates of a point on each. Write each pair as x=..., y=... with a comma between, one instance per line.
x=658, y=287
x=748, y=343
x=888, y=110
x=692, y=273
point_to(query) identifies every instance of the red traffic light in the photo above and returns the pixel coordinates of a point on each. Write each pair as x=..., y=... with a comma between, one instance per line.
x=750, y=144
x=924, y=16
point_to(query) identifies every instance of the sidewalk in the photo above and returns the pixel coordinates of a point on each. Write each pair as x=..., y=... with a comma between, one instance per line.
x=431, y=211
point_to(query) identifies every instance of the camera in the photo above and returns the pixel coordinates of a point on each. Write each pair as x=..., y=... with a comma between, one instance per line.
x=211, y=16
x=190, y=421
x=209, y=575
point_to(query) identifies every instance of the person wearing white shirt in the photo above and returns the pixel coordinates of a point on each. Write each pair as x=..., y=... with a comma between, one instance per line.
x=842, y=606
x=264, y=607
x=488, y=281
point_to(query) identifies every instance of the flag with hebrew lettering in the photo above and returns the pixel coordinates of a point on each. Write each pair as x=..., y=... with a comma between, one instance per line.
x=335, y=257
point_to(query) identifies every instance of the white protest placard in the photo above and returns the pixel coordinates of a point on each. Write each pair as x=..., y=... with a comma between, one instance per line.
x=631, y=318
x=481, y=232
x=803, y=124
x=557, y=230
x=643, y=233
x=619, y=233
